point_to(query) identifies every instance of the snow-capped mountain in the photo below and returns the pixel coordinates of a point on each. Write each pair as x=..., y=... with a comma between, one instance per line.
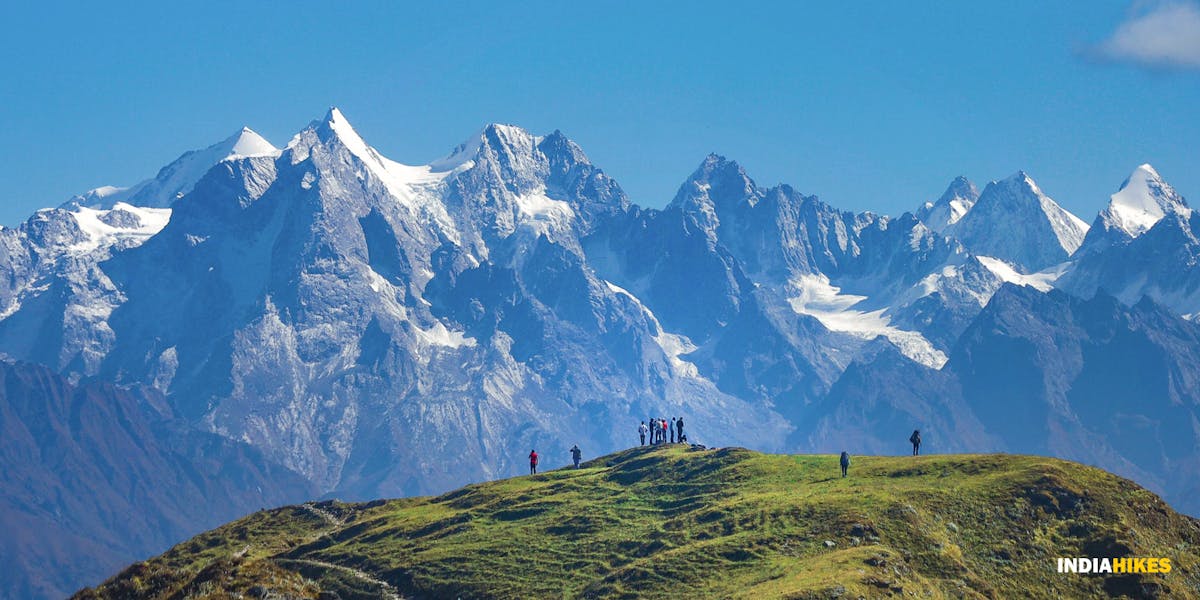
x=960, y=196
x=1141, y=202
x=1145, y=243
x=1018, y=224
x=53, y=281
x=343, y=293
x=388, y=329
x=177, y=178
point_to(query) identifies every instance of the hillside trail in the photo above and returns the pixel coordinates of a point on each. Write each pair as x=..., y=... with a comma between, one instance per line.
x=388, y=590
x=323, y=514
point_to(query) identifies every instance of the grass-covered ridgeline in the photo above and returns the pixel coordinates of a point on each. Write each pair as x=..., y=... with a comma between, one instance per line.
x=677, y=522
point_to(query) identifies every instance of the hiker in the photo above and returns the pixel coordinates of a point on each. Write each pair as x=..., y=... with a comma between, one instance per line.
x=915, y=438
x=845, y=462
x=672, y=430
x=679, y=429
x=533, y=460
x=575, y=454
x=642, y=429
x=662, y=437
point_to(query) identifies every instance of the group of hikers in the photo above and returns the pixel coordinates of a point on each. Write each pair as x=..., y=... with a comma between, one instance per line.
x=914, y=439
x=660, y=431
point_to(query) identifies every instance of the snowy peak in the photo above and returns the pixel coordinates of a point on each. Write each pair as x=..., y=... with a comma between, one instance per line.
x=1017, y=223
x=247, y=143
x=178, y=178
x=1068, y=229
x=334, y=127
x=1143, y=200
x=958, y=198
x=502, y=137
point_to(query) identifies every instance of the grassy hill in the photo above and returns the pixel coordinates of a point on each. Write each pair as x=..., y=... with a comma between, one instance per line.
x=675, y=522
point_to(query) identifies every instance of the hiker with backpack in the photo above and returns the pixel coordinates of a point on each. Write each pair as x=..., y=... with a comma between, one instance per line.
x=679, y=430
x=845, y=462
x=576, y=453
x=533, y=462
x=642, y=429
x=915, y=439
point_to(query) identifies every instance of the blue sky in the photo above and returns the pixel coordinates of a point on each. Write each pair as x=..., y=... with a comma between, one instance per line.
x=873, y=106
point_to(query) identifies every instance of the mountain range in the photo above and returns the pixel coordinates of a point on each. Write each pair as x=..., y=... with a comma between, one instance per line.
x=381, y=329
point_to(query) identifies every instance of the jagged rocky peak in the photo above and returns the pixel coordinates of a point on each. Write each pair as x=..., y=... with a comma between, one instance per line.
x=507, y=146
x=951, y=207
x=562, y=152
x=717, y=183
x=1142, y=200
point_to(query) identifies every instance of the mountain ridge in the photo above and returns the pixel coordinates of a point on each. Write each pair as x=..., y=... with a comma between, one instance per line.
x=675, y=521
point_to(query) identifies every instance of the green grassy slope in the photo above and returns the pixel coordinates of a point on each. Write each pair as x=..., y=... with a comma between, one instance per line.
x=672, y=522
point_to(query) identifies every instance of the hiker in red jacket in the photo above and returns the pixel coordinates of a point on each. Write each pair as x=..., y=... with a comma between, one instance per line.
x=533, y=458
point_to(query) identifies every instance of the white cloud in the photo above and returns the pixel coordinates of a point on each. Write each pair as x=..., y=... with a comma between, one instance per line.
x=1163, y=35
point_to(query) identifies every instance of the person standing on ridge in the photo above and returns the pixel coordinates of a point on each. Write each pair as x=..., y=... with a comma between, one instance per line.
x=642, y=429
x=533, y=461
x=845, y=462
x=915, y=439
x=679, y=429
x=672, y=428
x=663, y=436
x=576, y=453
